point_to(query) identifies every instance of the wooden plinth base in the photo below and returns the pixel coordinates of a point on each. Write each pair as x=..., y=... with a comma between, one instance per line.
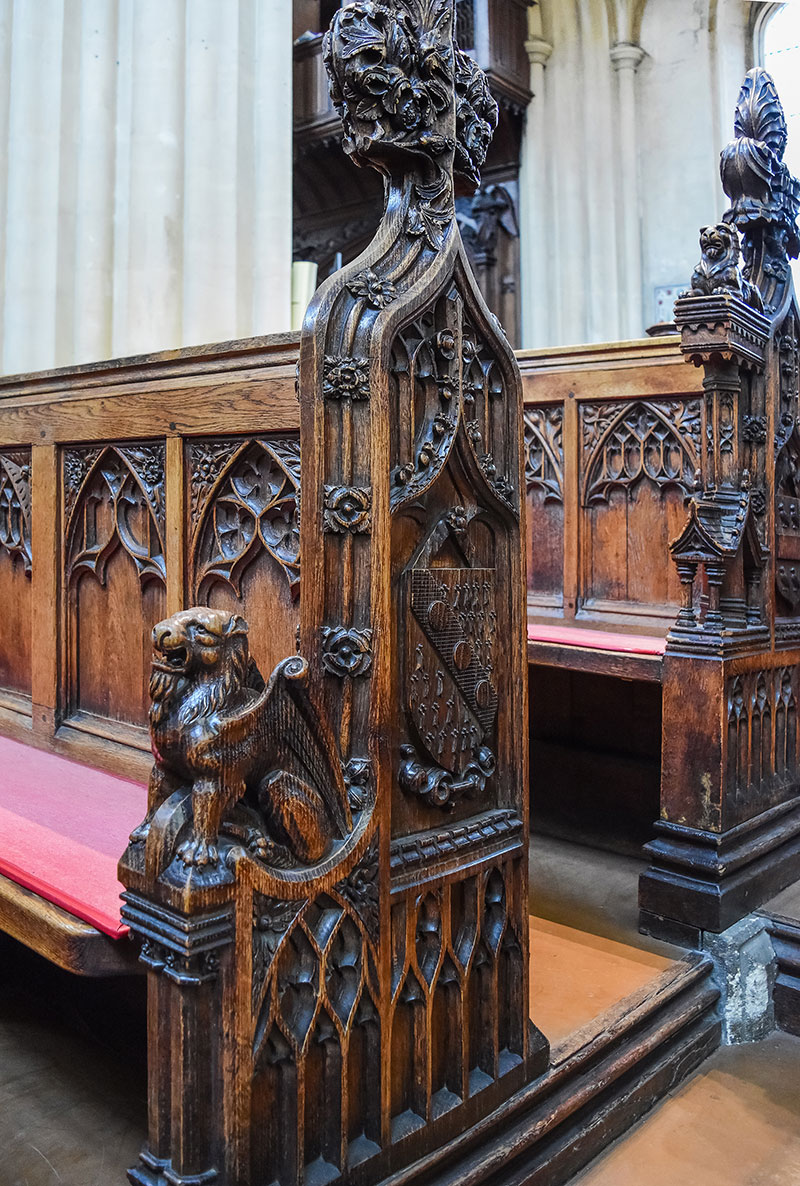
x=702, y=881
x=601, y=1080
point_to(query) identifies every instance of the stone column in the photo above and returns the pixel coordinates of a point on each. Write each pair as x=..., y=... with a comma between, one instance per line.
x=93, y=256
x=626, y=59
x=533, y=210
x=271, y=246
x=154, y=213
x=34, y=133
x=211, y=151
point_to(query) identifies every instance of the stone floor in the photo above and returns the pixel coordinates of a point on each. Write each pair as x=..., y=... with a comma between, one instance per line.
x=72, y=1074
x=733, y=1123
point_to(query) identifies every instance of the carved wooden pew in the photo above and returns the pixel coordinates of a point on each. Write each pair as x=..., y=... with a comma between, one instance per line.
x=330, y=885
x=682, y=497
x=127, y=490
x=729, y=833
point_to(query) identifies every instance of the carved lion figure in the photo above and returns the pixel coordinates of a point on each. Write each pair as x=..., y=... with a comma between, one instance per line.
x=214, y=725
x=718, y=270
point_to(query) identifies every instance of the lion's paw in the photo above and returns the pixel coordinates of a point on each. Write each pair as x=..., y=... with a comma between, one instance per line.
x=198, y=852
x=139, y=835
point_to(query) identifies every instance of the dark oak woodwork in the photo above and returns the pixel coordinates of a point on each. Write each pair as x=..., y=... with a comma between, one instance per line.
x=729, y=833
x=330, y=885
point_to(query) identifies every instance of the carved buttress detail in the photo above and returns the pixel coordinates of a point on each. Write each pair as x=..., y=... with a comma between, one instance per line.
x=787, y=470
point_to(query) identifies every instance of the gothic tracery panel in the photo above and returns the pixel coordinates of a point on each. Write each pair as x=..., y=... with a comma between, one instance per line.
x=243, y=498
x=639, y=461
x=544, y=482
x=314, y=1010
x=763, y=760
x=15, y=570
x=625, y=443
x=114, y=562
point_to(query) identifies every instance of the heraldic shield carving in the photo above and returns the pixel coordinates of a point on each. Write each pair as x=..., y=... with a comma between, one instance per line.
x=451, y=698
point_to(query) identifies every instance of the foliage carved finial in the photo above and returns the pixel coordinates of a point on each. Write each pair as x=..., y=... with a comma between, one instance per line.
x=405, y=91
x=765, y=197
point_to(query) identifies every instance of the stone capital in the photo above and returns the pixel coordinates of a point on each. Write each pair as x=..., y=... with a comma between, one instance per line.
x=626, y=56
x=538, y=51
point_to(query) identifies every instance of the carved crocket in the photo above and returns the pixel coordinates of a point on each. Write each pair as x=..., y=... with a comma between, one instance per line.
x=215, y=726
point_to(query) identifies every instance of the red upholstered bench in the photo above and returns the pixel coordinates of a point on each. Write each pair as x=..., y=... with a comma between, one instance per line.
x=616, y=653
x=62, y=829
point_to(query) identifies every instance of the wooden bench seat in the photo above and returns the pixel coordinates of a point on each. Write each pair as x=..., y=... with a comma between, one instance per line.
x=601, y=652
x=62, y=828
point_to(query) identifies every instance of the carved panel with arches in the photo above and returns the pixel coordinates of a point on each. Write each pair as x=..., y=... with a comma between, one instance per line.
x=243, y=553
x=114, y=575
x=15, y=570
x=316, y=1038
x=544, y=483
x=763, y=758
x=639, y=460
x=457, y=951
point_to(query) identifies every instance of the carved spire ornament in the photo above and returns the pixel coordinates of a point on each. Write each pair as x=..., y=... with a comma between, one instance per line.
x=765, y=197
x=335, y=863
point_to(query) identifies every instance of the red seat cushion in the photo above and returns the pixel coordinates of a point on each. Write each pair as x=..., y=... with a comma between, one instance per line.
x=63, y=828
x=597, y=640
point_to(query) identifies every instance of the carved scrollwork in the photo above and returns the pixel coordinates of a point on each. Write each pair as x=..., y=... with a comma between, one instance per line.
x=346, y=652
x=15, y=506
x=476, y=118
x=440, y=788
x=393, y=71
x=391, y=87
x=245, y=500
x=544, y=451
x=114, y=497
x=625, y=443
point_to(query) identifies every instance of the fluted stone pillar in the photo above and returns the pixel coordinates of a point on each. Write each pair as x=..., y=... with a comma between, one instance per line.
x=626, y=59
x=93, y=256
x=146, y=177
x=154, y=265
x=211, y=144
x=271, y=250
x=32, y=185
x=533, y=205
